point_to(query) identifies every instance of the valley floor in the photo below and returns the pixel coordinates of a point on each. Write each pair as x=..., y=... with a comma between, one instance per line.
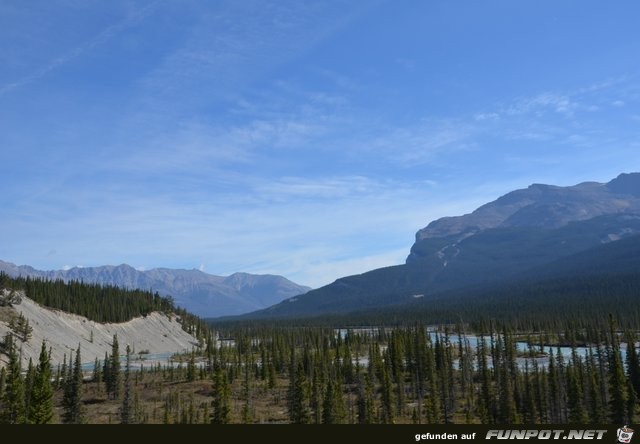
x=403, y=375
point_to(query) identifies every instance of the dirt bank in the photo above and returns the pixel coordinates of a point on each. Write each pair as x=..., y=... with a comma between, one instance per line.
x=155, y=333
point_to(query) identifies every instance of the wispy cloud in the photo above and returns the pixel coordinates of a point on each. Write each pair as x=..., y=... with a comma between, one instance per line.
x=594, y=97
x=486, y=116
x=132, y=19
x=583, y=110
x=271, y=234
x=322, y=188
x=544, y=102
x=422, y=142
x=227, y=51
x=197, y=148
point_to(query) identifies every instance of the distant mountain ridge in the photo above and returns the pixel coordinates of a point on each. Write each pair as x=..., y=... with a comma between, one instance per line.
x=521, y=233
x=542, y=206
x=201, y=293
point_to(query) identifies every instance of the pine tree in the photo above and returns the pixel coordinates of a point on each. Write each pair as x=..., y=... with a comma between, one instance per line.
x=554, y=390
x=191, y=367
x=577, y=413
x=298, y=399
x=386, y=389
x=508, y=376
x=246, y=394
x=28, y=384
x=541, y=393
x=97, y=375
x=21, y=327
x=3, y=380
x=575, y=387
x=395, y=355
x=432, y=405
x=365, y=401
x=530, y=414
x=333, y=404
x=221, y=406
x=316, y=396
x=13, y=399
x=72, y=399
x=486, y=408
x=444, y=372
x=632, y=402
x=633, y=361
x=114, y=377
x=465, y=359
x=596, y=410
x=347, y=365
x=272, y=381
x=106, y=374
x=126, y=409
x=619, y=391
x=41, y=404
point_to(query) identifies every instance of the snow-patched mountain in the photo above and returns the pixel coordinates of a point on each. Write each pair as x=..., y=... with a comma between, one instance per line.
x=200, y=293
x=522, y=232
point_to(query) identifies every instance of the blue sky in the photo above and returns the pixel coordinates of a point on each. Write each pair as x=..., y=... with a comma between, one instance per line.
x=307, y=139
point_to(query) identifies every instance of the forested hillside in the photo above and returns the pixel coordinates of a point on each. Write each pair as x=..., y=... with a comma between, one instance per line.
x=97, y=302
x=553, y=303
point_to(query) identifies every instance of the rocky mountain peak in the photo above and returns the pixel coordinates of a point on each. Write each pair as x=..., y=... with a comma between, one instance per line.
x=626, y=183
x=544, y=206
x=203, y=294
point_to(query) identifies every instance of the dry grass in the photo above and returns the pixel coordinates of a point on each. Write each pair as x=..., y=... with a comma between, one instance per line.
x=188, y=401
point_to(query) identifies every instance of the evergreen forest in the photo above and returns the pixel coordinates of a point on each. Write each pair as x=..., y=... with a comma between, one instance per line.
x=100, y=303
x=329, y=370
x=328, y=376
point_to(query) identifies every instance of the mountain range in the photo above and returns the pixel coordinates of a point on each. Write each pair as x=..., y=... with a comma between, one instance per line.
x=200, y=293
x=528, y=234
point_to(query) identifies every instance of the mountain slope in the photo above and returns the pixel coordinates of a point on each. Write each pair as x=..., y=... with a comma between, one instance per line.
x=542, y=206
x=584, y=286
x=200, y=293
x=525, y=230
x=155, y=333
x=621, y=257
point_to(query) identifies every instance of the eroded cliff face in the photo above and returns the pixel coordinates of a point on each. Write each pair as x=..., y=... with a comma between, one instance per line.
x=64, y=332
